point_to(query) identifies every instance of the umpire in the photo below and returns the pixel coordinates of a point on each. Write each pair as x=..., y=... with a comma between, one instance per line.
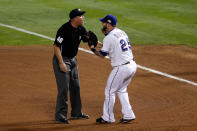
x=65, y=66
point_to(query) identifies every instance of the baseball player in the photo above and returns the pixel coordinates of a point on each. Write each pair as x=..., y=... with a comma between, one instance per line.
x=65, y=66
x=117, y=46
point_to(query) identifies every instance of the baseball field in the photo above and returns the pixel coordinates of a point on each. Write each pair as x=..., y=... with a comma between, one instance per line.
x=163, y=35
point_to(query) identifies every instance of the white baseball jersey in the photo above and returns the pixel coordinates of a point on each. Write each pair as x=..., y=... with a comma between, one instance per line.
x=117, y=45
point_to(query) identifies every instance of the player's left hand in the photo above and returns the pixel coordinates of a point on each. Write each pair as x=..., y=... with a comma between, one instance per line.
x=92, y=39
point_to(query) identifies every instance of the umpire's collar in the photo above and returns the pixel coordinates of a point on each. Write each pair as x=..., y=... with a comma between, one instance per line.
x=73, y=26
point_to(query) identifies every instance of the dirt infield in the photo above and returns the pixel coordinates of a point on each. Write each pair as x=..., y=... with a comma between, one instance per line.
x=28, y=90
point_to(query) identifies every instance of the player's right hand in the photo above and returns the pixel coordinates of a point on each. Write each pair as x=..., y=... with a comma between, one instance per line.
x=99, y=45
x=63, y=67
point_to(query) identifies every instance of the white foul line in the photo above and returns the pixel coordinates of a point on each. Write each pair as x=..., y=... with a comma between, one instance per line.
x=82, y=49
x=26, y=31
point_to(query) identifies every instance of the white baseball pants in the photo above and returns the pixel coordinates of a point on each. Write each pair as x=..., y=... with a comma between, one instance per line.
x=117, y=83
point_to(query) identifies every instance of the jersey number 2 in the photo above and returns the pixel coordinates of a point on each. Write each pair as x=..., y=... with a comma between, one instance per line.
x=125, y=45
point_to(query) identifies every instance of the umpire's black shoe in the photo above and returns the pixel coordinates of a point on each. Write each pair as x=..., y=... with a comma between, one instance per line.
x=82, y=116
x=101, y=121
x=125, y=120
x=62, y=121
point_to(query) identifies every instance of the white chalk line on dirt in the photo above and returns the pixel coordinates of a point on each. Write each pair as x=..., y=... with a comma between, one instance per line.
x=82, y=49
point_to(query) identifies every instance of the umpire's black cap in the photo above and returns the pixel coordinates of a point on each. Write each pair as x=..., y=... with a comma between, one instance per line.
x=76, y=12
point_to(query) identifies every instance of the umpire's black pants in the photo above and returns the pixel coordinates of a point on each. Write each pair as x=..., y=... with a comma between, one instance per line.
x=67, y=81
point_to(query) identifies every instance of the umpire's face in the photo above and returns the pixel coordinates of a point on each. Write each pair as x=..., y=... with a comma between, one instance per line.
x=79, y=20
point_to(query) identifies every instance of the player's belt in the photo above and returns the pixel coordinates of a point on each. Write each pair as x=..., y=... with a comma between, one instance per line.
x=126, y=63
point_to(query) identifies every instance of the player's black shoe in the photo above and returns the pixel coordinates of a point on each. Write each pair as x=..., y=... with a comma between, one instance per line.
x=82, y=116
x=125, y=120
x=101, y=121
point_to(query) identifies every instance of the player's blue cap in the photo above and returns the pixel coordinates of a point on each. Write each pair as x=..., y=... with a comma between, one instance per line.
x=109, y=19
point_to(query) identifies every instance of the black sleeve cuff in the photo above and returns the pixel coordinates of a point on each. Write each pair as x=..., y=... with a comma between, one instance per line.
x=57, y=44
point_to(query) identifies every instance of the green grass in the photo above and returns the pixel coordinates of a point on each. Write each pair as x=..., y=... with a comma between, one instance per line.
x=146, y=22
x=12, y=37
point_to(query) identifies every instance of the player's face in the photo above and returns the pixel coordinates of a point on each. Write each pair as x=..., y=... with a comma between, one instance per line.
x=104, y=28
x=79, y=20
x=104, y=24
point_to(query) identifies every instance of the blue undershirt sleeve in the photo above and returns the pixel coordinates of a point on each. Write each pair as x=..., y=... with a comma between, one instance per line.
x=103, y=53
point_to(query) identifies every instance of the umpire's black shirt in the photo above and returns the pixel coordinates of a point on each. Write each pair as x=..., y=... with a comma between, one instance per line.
x=68, y=39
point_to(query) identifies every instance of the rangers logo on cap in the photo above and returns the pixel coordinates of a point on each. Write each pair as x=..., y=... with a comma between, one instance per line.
x=109, y=21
